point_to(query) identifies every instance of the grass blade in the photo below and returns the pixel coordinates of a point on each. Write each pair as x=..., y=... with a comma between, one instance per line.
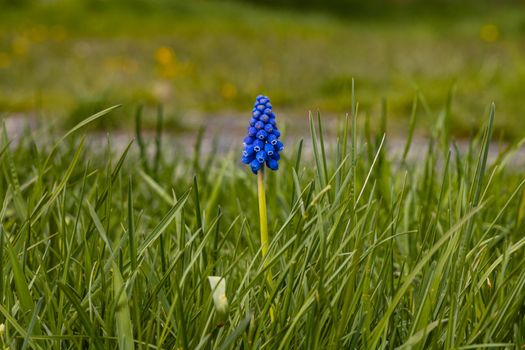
x=122, y=314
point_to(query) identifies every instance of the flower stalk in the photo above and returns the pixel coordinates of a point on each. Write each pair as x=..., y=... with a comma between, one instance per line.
x=263, y=222
x=263, y=218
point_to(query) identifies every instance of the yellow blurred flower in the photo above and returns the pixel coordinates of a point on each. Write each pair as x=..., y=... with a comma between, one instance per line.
x=228, y=91
x=20, y=46
x=489, y=33
x=167, y=64
x=121, y=64
x=38, y=33
x=5, y=61
x=169, y=71
x=164, y=55
x=57, y=33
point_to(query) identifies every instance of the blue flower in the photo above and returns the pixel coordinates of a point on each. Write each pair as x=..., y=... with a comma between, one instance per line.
x=262, y=145
x=255, y=166
x=272, y=164
x=252, y=131
x=268, y=149
x=248, y=151
x=258, y=145
x=261, y=135
x=264, y=118
x=261, y=156
x=268, y=128
x=259, y=125
x=272, y=139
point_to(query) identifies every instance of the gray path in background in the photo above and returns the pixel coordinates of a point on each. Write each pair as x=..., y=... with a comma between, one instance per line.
x=225, y=133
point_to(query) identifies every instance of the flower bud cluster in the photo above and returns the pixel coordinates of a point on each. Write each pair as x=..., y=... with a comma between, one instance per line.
x=262, y=145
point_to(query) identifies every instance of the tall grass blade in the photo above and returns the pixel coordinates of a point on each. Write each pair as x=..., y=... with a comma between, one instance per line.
x=122, y=313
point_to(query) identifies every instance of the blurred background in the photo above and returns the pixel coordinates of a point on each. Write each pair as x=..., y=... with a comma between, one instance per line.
x=205, y=61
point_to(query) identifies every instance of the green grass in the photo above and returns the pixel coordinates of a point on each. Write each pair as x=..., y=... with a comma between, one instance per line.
x=367, y=250
x=63, y=55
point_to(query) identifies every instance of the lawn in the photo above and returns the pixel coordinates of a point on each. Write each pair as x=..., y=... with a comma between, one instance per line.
x=367, y=249
x=395, y=220
x=64, y=60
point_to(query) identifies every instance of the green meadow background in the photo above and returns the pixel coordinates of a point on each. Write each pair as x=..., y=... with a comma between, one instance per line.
x=62, y=59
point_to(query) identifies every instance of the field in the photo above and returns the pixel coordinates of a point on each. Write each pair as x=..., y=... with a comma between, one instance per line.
x=395, y=220
x=63, y=60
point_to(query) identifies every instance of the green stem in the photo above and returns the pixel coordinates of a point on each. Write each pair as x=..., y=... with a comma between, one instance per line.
x=263, y=221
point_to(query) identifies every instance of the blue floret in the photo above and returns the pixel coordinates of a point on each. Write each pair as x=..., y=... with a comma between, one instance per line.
x=261, y=135
x=268, y=128
x=248, y=151
x=261, y=156
x=272, y=164
x=268, y=148
x=258, y=145
x=271, y=139
x=265, y=118
x=247, y=160
x=255, y=166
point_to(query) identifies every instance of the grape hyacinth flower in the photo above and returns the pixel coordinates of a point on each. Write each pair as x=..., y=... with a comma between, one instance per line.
x=263, y=136
x=262, y=147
